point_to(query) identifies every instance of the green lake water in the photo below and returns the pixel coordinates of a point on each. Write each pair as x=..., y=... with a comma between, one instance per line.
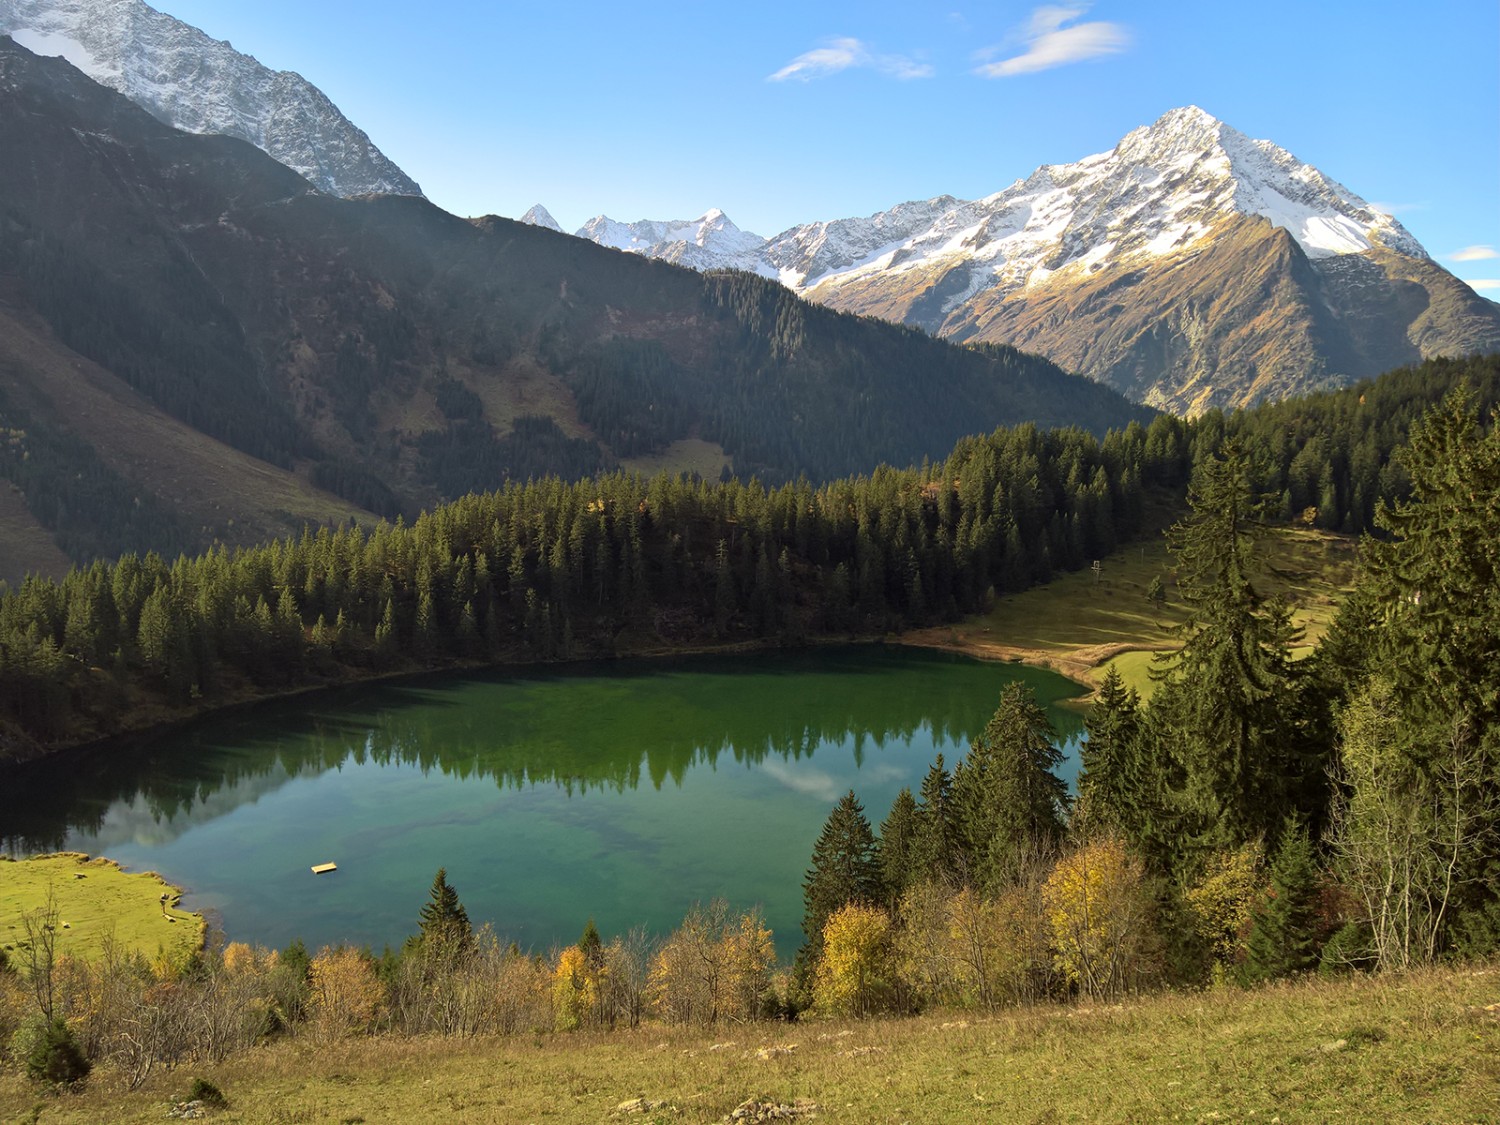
x=623, y=791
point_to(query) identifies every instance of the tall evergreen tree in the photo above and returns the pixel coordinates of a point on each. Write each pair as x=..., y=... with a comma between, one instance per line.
x=1224, y=708
x=1435, y=632
x=1111, y=783
x=1283, y=934
x=444, y=921
x=899, y=834
x=845, y=868
x=936, y=846
x=1008, y=800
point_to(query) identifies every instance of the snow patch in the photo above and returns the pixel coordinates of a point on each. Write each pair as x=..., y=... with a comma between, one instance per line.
x=57, y=45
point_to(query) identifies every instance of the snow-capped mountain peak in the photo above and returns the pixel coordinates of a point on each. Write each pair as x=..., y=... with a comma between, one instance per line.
x=539, y=216
x=711, y=241
x=1163, y=188
x=203, y=85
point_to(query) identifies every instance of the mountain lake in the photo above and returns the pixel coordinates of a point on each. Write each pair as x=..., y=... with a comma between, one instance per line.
x=622, y=791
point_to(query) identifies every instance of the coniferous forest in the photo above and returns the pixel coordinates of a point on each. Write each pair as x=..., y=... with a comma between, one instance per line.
x=1259, y=817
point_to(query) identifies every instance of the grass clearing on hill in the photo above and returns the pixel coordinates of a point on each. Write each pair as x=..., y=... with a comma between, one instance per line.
x=95, y=899
x=1079, y=624
x=1419, y=1047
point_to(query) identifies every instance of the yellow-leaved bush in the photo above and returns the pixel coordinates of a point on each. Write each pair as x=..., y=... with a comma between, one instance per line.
x=855, y=975
x=344, y=993
x=1223, y=900
x=1100, y=917
x=575, y=989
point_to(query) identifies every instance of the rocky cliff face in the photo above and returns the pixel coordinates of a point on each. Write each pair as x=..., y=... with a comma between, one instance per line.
x=201, y=85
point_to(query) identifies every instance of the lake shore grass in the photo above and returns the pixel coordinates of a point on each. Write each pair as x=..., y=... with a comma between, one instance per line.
x=1418, y=1047
x=96, y=900
x=1083, y=623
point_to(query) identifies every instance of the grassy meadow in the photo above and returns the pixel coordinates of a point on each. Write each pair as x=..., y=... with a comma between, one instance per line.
x=1080, y=624
x=95, y=900
x=1421, y=1047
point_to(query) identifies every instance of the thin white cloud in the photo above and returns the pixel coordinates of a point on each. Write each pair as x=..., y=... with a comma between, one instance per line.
x=848, y=54
x=808, y=782
x=1474, y=254
x=1049, y=43
x=1483, y=282
x=1394, y=209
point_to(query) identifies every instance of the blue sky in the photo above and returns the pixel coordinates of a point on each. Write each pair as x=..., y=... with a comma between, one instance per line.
x=781, y=113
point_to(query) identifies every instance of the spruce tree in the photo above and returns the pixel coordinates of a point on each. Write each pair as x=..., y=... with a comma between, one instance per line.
x=1009, y=803
x=936, y=846
x=1283, y=935
x=898, y=845
x=1434, y=583
x=845, y=868
x=1223, y=712
x=1110, y=794
x=444, y=921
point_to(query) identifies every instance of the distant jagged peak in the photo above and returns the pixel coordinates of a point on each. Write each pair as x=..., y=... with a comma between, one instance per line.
x=1160, y=191
x=539, y=216
x=194, y=82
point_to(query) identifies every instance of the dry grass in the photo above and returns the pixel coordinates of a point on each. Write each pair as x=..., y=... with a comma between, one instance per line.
x=1425, y=1047
x=26, y=547
x=690, y=455
x=230, y=494
x=95, y=899
x=1080, y=624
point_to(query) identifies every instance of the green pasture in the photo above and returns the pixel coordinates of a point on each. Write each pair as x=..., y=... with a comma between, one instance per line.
x=94, y=901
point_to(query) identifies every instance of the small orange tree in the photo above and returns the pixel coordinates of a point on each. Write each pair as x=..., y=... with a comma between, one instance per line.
x=344, y=993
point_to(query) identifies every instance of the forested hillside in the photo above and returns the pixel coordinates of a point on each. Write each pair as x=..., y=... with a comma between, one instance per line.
x=556, y=570
x=392, y=355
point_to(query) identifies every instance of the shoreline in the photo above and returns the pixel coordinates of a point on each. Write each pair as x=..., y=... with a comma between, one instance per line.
x=1079, y=665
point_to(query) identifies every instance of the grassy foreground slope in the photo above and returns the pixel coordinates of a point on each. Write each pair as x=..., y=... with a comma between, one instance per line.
x=1423, y=1047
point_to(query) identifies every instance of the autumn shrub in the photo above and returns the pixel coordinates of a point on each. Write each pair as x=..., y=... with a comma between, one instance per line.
x=856, y=974
x=716, y=966
x=1100, y=915
x=344, y=993
x=575, y=990
x=1223, y=899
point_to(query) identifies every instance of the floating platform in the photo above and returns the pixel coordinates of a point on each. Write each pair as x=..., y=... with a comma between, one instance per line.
x=324, y=868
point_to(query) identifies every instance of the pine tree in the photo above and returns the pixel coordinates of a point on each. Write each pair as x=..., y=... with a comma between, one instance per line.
x=936, y=845
x=845, y=868
x=444, y=921
x=1110, y=783
x=898, y=845
x=1283, y=936
x=1009, y=802
x=1224, y=708
x=1433, y=621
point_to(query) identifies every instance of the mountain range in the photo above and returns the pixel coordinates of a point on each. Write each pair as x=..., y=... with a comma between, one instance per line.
x=1189, y=267
x=198, y=346
x=203, y=85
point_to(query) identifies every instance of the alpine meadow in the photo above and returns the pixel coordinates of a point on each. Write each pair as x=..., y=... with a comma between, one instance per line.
x=442, y=657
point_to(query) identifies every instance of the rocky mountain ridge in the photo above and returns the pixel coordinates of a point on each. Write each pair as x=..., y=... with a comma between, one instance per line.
x=1166, y=200
x=197, y=347
x=189, y=80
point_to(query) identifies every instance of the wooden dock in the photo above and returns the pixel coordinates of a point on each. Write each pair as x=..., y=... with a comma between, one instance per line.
x=324, y=868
